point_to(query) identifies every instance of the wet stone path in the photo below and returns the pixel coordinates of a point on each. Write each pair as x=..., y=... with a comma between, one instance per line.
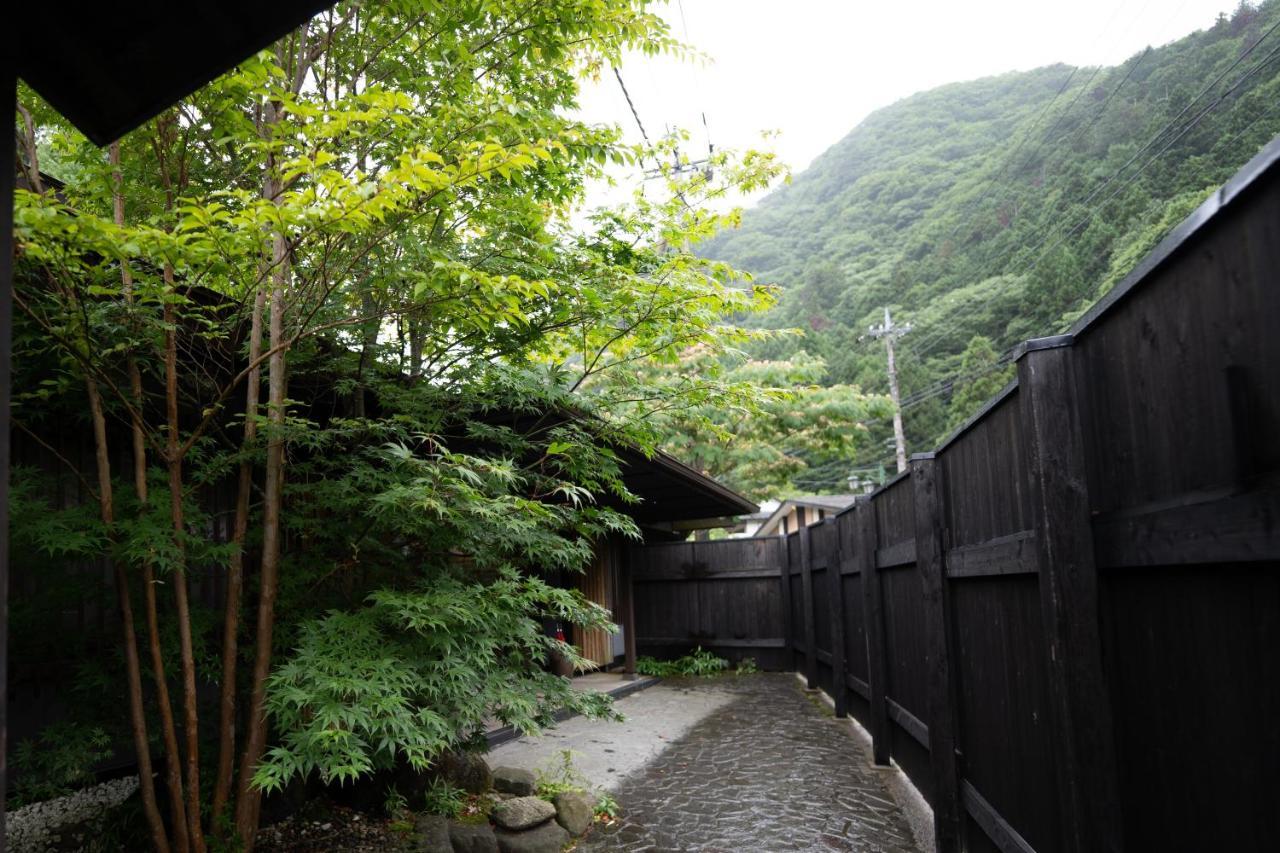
x=768, y=771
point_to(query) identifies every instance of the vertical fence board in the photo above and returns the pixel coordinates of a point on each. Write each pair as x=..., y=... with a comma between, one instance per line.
x=930, y=561
x=1069, y=595
x=806, y=580
x=836, y=617
x=873, y=618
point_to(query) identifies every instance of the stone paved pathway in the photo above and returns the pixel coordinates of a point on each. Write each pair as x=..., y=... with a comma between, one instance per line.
x=768, y=771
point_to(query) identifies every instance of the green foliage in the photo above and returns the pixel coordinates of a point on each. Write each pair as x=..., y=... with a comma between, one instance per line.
x=58, y=762
x=607, y=808
x=981, y=378
x=443, y=798
x=774, y=438
x=977, y=209
x=559, y=777
x=746, y=666
x=698, y=663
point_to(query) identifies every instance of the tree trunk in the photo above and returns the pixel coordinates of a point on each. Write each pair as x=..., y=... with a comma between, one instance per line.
x=235, y=573
x=190, y=706
x=173, y=777
x=248, y=797
x=133, y=670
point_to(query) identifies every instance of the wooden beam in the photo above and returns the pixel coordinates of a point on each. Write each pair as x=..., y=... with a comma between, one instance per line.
x=910, y=723
x=1080, y=713
x=1014, y=554
x=926, y=477
x=806, y=581
x=840, y=688
x=1004, y=836
x=704, y=523
x=898, y=554
x=873, y=619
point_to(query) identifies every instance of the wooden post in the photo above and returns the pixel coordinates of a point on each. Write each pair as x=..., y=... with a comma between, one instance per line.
x=839, y=678
x=873, y=618
x=1080, y=712
x=8, y=85
x=627, y=584
x=931, y=563
x=784, y=571
x=806, y=585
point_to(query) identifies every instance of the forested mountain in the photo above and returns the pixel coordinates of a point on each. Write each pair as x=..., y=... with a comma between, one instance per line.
x=1002, y=208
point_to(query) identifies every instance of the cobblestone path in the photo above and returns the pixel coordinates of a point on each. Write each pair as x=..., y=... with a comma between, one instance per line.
x=769, y=771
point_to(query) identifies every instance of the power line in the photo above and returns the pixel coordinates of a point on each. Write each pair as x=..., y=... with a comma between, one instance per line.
x=634, y=113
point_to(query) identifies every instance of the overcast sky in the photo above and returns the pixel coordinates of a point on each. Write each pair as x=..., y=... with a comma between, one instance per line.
x=813, y=69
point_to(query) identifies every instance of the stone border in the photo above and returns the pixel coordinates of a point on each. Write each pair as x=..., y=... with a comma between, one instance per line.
x=915, y=808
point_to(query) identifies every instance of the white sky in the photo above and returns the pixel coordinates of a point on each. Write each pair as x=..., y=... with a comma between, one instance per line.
x=813, y=69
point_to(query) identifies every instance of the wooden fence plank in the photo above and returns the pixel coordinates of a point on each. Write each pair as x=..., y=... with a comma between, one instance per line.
x=806, y=580
x=835, y=595
x=925, y=476
x=1079, y=704
x=873, y=618
x=784, y=563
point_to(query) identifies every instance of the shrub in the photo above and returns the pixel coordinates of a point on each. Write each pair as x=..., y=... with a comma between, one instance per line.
x=698, y=663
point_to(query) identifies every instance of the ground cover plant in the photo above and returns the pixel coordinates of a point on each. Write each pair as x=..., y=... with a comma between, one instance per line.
x=699, y=662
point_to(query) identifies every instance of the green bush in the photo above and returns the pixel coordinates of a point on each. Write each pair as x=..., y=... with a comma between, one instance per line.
x=697, y=663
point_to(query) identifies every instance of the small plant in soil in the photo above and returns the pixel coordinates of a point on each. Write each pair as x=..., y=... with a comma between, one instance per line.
x=698, y=663
x=606, y=808
x=559, y=778
x=746, y=666
x=443, y=798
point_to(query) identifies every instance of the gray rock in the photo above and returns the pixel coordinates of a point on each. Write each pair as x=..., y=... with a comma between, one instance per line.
x=513, y=780
x=430, y=835
x=472, y=837
x=466, y=770
x=575, y=810
x=548, y=838
x=522, y=813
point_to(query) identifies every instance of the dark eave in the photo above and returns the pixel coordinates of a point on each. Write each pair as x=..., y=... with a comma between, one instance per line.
x=671, y=491
x=108, y=67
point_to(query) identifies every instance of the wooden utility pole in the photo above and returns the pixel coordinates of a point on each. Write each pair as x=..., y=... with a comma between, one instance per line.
x=890, y=332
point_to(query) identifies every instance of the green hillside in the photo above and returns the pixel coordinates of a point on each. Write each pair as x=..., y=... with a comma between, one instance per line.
x=1002, y=207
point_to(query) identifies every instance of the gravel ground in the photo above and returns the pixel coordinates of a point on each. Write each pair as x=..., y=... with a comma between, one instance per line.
x=64, y=823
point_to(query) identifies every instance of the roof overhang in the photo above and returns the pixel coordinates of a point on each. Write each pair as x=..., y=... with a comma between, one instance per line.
x=109, y=67
x=672, y=492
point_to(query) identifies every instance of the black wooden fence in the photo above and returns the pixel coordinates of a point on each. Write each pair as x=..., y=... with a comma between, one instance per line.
x=1064, y=624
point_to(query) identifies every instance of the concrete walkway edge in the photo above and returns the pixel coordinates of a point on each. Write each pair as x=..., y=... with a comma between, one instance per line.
x=503, y=734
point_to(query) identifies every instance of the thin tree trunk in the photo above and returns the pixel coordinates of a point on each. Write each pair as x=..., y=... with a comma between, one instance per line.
x=190, y=707
x=248, y=798
x=133, y=670
x=235, y=573
x=168, y=730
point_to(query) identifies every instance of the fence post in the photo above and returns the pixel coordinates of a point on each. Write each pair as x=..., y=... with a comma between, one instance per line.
x=839, y=679
x=931, y=562
x=873, y=619
x=784, y=570
x=1079, y=708
x=806, y=586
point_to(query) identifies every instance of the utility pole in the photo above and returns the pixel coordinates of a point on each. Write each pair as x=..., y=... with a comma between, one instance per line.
x=890, y=332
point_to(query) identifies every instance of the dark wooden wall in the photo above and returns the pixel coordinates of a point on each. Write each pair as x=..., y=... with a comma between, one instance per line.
x=1064, y=624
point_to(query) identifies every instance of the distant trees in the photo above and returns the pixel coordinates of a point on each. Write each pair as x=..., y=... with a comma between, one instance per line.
x=959, y=206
